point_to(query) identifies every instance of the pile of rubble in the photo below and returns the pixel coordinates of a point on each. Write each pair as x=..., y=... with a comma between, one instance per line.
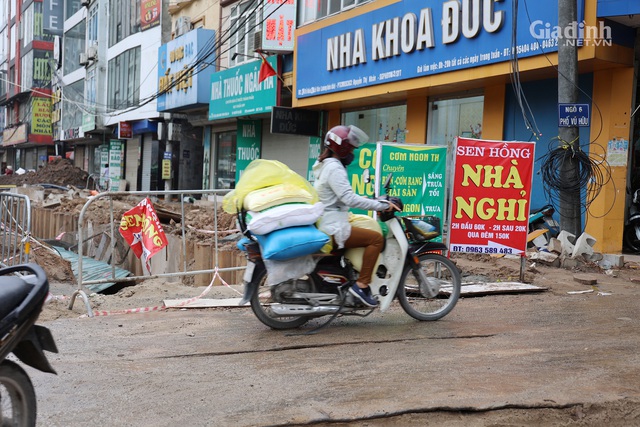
x=569, y=252
x=60, y=172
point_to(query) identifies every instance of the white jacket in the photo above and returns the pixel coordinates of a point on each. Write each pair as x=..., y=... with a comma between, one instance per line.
x=335, y=192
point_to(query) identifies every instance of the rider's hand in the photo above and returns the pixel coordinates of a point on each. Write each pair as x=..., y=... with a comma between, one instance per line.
x=392, y=207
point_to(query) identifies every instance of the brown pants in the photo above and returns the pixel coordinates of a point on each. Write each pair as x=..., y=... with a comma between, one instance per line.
x=372, y=242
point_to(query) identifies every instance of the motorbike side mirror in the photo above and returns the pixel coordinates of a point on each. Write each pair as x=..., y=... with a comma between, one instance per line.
x=367, y=177
x=387, y=182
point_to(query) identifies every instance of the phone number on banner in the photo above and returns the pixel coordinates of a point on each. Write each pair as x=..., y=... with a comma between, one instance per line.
x=482, y=249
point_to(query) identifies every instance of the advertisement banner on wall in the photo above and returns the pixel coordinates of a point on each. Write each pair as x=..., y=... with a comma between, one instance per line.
x=248, y=143
x=41, y=116
x=278, y=25
x=149, y=14
x=490, y=196
x=179, y=84
x=418, y=176
x=430, y=38
x=237, y=91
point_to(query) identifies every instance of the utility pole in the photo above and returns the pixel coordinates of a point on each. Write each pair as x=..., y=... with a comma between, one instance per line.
x=570, y=212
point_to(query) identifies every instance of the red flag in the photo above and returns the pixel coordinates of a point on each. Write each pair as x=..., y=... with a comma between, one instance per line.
x=141, y=228
x=266, y=70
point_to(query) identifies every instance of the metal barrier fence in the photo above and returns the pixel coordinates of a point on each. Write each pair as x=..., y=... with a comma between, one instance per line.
x=15, y=228
x=84, y=237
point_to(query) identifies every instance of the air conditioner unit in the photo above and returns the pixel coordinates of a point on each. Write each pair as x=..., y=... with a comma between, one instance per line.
x=183, y=25
x=85, y=3
x=257, y=40
x=92, y=52
x=83, y=60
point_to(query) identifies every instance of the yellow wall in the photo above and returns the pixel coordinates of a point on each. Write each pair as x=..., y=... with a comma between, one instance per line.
x=493, y=113
x=612, y=92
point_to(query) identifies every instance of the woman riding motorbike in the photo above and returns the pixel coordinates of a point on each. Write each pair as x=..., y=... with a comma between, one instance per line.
x=335, y=192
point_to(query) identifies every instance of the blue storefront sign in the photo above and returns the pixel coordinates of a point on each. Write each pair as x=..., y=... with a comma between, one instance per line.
x=237, y=92
x=185, y=85
x=573, y=115
x=414, y=38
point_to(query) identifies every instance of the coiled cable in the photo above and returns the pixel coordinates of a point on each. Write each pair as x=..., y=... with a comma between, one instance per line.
x=592, y=174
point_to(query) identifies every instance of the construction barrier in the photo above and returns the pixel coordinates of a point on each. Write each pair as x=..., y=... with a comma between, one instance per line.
x=15, y=228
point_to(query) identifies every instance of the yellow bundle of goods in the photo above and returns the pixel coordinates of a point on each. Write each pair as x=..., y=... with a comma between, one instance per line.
x=262, y=173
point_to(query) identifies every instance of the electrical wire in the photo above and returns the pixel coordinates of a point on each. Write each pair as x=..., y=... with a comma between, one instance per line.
x=593, y=175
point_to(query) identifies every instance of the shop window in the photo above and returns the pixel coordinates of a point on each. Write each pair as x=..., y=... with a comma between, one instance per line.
x=312, y=10
x=386, y=124
x=124, y=79
x=225, y=160
x=245, y=21
x=74, y=44
x=453, y=117
x=124, y=20
x=450, y=118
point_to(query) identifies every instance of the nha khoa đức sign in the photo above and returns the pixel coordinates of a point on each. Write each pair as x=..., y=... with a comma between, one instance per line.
x=141, y=229
x=490, y=199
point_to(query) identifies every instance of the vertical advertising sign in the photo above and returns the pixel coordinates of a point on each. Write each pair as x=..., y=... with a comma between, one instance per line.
x=104, y=166
x=278, y=25
x=41, y=116
x=491, y=196
x=418, y=176
x=248, y=144
x=315, y=147
x=115, y=164
x=149, y=14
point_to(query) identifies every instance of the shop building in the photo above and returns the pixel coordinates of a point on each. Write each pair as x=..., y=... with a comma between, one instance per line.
x=406, y=71
x=26, y=61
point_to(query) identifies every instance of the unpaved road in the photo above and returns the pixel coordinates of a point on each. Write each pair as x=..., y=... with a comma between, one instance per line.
x=531, y=359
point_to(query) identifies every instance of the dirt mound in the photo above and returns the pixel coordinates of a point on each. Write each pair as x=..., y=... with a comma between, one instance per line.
x=60, y=172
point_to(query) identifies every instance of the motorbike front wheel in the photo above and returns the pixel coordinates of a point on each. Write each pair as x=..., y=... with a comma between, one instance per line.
x=17, y=396
x=442, y=278
x=261, y=301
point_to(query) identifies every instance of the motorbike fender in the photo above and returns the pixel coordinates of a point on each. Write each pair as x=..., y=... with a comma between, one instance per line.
x=31, y=348
x=427, y=247
x=394, y=256
x=251, y=283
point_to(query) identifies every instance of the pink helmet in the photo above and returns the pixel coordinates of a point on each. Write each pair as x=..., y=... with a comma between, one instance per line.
x=342, y=140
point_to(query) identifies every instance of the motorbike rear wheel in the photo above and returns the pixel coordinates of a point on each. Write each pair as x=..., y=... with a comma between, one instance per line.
x=17, y=396
x=261, y=301
x=442, y=274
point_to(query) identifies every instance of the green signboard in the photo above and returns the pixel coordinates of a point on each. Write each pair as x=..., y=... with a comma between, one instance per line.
x=315, y=147
x=237, y=92
x=248, y=143
x=418, y=178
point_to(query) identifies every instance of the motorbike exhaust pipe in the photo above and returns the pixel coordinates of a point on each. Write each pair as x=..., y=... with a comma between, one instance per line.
x=303, y=310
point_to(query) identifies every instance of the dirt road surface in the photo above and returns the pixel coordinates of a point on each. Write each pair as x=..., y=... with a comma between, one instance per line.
x=544, y=358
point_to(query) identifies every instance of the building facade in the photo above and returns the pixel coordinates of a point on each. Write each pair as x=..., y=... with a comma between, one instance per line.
x=27, y=32
x=425, y=74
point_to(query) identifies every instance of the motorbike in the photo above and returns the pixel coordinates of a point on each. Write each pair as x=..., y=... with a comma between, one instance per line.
x=632, y=226
x=541, y=221
x=411, y=269
x=23, y=292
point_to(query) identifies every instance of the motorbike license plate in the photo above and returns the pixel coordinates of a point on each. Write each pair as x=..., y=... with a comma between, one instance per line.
x=248, y=273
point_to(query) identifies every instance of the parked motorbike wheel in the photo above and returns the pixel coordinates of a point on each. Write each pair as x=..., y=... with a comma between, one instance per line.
x=17, y=396
x=261, y=301
x=632, y=238
x=435, y=298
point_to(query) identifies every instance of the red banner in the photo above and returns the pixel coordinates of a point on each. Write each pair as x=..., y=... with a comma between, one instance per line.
x=141, y=228
x=491, y=196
